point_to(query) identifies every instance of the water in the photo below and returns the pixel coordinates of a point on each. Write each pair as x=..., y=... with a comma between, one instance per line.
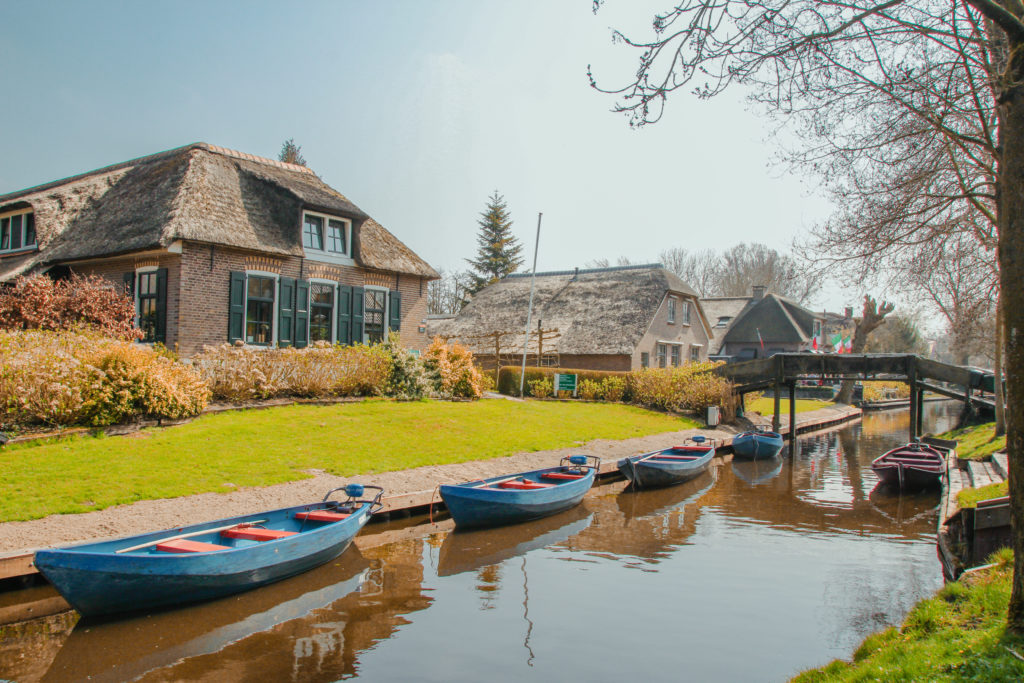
x=750, y=573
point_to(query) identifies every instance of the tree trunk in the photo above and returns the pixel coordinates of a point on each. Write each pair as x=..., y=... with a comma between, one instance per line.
x=1011, y=275
x=872, y=317
x=997, y=370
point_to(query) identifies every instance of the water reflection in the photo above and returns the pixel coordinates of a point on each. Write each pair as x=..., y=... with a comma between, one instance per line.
x=796, y=559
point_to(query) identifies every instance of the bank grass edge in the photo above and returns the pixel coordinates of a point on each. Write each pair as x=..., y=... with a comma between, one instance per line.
x=957, y=635
x=226, y=451
x=766, y=405
x=976, y=442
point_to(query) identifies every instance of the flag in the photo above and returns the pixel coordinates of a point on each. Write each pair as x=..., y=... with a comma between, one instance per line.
x=759, y=337
x=814, y=343
x=836, y=340
x=849, y=344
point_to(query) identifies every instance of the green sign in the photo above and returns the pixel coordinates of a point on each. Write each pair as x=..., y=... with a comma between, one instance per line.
x=565, y=382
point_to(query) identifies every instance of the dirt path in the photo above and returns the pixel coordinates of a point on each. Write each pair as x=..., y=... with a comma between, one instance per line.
x=148, y=515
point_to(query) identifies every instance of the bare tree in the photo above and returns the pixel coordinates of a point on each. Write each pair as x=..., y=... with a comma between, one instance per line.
x=448, y=294
x=606, y=263
x=699, y=269
x=746, y=265
x=901, y=70
x=872, y=317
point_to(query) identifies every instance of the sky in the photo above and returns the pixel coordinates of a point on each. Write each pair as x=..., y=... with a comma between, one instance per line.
x=416, y=111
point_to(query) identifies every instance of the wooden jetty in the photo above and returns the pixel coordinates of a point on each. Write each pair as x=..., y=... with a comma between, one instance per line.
x=967, y=536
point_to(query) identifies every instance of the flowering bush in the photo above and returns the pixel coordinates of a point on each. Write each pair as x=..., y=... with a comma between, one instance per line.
x=240, y=373
x=38, y=302
x=541, y=388
x=66, y=377
x=451, y=370
x=408, y=378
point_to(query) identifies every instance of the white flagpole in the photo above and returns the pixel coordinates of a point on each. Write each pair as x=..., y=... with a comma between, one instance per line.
x=529, y=309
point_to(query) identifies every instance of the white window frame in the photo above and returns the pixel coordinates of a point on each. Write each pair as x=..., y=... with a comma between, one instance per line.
x=686, y=313
x=323, y=254
x=334, y=308
x=697, y=348
x=135, y=292
x=387, y=310
x=671, y=310
x=24, y=227
x=273, y=309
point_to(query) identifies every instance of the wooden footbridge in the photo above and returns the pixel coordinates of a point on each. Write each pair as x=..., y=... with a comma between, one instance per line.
x=922, y=374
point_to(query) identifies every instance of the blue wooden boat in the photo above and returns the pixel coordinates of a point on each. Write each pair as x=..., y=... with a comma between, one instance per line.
x=205, y=561
x=670, y=465
x=513, y=498
x=757, y=444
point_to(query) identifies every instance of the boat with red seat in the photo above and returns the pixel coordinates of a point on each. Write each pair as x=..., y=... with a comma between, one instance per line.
x=913, y=466
x=208, y=560
x=513, y=498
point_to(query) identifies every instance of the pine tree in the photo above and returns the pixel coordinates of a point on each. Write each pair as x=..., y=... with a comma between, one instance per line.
x=291, y=153
x=497, y=252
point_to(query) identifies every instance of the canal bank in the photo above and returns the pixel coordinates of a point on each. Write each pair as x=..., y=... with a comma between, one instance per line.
x=766, y=567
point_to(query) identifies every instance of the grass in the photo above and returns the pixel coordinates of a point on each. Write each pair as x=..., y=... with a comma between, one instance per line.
x=977, y=442
x=223, y=451
x=766, y=405
x=958, y=635
x=969, y=498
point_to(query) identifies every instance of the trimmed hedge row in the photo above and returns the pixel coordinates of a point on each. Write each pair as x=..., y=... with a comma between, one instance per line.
x=508, y=376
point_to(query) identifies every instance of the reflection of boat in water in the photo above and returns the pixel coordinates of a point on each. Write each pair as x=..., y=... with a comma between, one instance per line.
x=907, y=507
x=649, y=503
x=464, y=551
x=759, y=471
x=129, y=648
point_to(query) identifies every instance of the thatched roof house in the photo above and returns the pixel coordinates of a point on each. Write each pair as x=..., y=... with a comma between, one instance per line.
x=602, y=318
x=200, y=213
x=760, y=325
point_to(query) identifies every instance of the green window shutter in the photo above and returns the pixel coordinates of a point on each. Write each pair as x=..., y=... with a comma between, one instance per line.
x=358, y=303
x=286, y=313
x=301, y=314
x=344, y=315
x=161, y=306
x=129, y=284
x=236, y=307
x=394, y=310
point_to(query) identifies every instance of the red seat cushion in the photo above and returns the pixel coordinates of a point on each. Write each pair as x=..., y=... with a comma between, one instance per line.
x=560, y=475
x=184, y=545
x=251, y=533
x=321, y=516
x=524, y=485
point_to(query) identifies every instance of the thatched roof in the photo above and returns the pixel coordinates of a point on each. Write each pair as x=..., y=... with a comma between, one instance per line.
x=597, y=311
x=201, y=193
x=722, y=312
x=777, y=318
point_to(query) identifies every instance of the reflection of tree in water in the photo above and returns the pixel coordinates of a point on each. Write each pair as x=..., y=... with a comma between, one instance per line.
x=488, y=583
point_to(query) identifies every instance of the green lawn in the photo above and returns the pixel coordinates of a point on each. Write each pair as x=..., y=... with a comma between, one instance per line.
x=766, y=405
x=261, y=447
x=977, y=442
x=958, y=635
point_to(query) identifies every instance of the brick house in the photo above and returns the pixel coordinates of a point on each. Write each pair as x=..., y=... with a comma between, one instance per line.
x=218, y=246
x=760, y=325
x=619, y=318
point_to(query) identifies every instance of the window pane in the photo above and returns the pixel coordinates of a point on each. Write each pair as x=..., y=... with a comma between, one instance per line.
x=258, y=324
x=147, y=319
x=261, y=287
x=374, y=302
x=5, y=233
x=313, y=233
x=16, y=232
x=30, y=229
x=336, y=236
x=321, y=294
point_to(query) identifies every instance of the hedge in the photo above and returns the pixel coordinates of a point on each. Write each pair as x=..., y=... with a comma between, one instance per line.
x=508, y=376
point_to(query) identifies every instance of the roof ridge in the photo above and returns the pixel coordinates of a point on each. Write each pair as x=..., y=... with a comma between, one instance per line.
x=581, y=271
x=224, y=151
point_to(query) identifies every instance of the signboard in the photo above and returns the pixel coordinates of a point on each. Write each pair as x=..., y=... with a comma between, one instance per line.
x=565, y=382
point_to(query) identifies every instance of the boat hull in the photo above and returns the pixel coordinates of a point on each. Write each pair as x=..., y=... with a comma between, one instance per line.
x=96, y=581
x=475, y=505
x=910, y=467
x=648, y=471
x=757, y=445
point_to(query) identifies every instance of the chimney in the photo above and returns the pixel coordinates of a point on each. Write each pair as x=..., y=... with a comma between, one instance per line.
x=849, y=311
x=575, y=274
x=758, y=291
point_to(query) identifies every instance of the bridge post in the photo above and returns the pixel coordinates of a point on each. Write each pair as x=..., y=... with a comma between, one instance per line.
x=914, y=405
x=792, y=417
x=920, y=410
x=776, y=421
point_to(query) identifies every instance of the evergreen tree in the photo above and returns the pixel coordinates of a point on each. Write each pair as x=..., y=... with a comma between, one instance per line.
x=291, y=153
x=497, y=252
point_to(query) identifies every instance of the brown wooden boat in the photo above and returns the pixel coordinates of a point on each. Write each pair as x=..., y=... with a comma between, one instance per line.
x=913, y=466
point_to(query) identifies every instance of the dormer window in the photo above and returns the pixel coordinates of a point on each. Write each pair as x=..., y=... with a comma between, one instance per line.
x=17, y=230
x=326, y=237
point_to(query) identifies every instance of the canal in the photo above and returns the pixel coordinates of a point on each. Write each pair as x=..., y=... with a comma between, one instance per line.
x=751, y=573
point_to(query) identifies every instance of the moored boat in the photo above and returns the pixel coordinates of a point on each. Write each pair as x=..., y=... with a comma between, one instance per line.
x=669, y=466
x=913, y=466
x=759, y=443
x=513, y=498
x=208, y=560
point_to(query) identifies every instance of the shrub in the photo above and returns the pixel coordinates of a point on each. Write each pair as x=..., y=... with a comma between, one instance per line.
x=450, y=368
x=508, y=376
x=407, y=378
x=541, y=387
x=239, y=373
x=880, y=391
x=59, y=378
x=38, y=302
x=613, y=389
x=688, y=387
x=589, y=389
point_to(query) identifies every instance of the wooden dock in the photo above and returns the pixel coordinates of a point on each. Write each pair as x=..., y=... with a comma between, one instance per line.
x=966, y=537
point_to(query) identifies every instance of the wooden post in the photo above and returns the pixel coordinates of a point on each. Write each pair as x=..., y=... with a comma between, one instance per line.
x=792, y=417
x=920, y=410
x=776, y=420
x=912, y=381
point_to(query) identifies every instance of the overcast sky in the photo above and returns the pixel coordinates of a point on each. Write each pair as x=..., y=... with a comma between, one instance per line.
x=417, y=111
